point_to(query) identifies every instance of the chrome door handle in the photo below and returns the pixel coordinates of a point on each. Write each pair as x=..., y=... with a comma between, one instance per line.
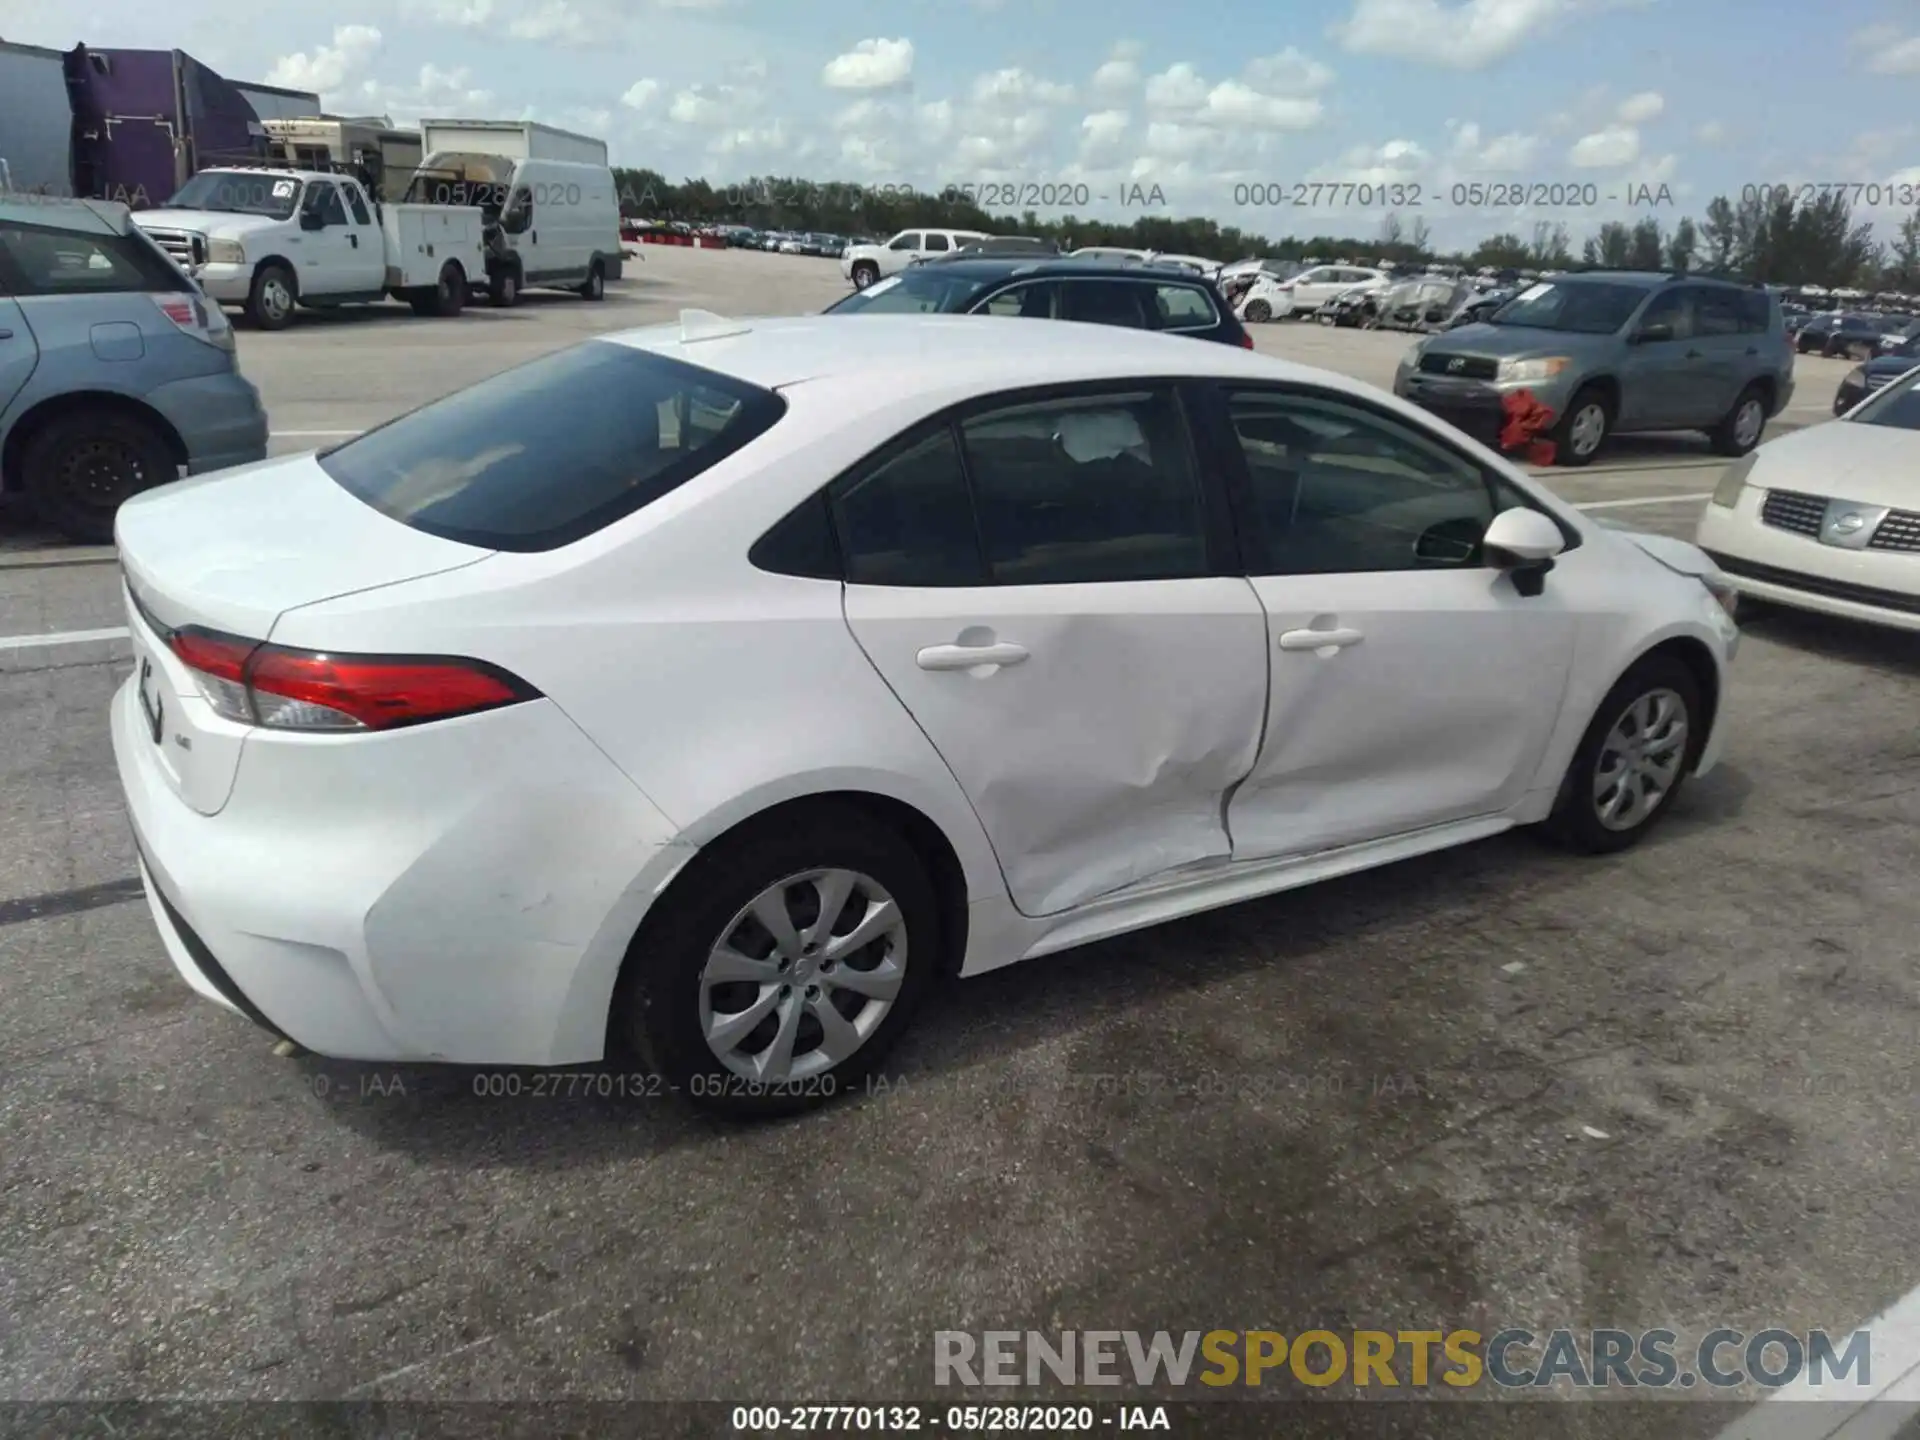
x=966, y=657
x=1320, y=639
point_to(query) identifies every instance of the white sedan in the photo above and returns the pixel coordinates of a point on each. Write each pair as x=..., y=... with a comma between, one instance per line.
x=703, y=693
x=1828, y=518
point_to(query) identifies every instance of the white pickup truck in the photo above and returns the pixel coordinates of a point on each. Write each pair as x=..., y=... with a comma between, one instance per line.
x=272, y=240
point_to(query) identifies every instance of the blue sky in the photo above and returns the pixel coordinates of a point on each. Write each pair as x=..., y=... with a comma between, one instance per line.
x=1699, y=96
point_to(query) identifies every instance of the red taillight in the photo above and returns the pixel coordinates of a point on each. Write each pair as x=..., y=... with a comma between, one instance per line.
x=287, y=689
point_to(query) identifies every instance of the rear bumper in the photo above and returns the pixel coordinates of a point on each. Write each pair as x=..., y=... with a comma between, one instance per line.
x=466, y=899
x=219, y=417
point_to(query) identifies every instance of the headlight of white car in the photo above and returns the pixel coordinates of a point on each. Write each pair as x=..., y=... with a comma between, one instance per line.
x=1544, y=367
x=1727, y=493
x=226, y=252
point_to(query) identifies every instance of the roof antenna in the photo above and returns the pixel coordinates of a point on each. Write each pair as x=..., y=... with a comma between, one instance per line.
x=705, y=325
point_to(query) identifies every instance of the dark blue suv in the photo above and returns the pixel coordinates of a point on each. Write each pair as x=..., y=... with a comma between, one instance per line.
x=1139, y=297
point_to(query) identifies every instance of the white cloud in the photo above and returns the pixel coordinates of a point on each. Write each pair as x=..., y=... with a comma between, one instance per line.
x=641, y=94
x=1289, y=73
x=1234, y=103
x=698, y=105
x=936, y=121
x=1888, y=51
x=1117, y=75
x=1606, y=149
x=1016, y=89
x=870, y=65
x=1467, y=36
x=435, y=92
x=1275, y=95
x=1394, y=163
x=555, y=20
x=1474, y=153
x=1711, y=133
x=1176, y=90
x=1102, y=132
x=1638, y=109
x=326, y=69
x=461, y=14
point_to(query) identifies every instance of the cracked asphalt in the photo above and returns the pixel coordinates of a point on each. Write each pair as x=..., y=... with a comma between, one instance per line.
x=1496, y=1087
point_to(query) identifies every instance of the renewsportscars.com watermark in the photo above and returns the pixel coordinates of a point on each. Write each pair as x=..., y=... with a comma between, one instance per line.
x=1412, y=1359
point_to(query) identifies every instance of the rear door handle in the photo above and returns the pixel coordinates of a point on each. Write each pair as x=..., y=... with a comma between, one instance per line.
x=6, y=334
x=1320, y=639
x=965, y=657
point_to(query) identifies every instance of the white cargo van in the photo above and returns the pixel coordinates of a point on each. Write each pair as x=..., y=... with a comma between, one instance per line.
x=548, y=197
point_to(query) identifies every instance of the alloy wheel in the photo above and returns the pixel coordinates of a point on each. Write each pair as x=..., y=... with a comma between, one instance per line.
x=1748, y=422
x=1640, y=760
x=1589, y=428
x=803, y=975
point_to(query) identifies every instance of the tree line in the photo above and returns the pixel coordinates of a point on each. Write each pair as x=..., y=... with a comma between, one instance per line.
x=1775, y=236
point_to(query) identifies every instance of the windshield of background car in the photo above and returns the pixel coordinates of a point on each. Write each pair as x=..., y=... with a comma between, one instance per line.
x=920, y=291
x=543, y=455
x=1897, y=406
x=1581, y=307
x=237, y=192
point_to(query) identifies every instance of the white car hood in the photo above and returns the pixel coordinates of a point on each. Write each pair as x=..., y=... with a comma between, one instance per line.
x=1844, y=460
x=216, y=224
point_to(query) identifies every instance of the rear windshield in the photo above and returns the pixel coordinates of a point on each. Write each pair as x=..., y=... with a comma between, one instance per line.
x=548, y=453
x=48, y=260
x=919, y=291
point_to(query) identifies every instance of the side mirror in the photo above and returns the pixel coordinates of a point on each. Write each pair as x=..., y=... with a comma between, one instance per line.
x=1523, y=543
x=312, y=220
x=1649, y=334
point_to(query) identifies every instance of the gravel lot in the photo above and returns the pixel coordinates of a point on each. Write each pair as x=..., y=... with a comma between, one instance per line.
x=1362, y=1113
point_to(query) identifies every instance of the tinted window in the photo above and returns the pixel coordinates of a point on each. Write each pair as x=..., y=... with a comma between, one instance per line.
x=1717, y=311
x=1756, y=312
x=1087, y=489
x=1337, y=488
x=1582, y=307
x=938, y=242
x=324, y=199
x=360, y=215
x=542, y=455
x=1106, y=302
x=908, y=520
x=1671, y=308
x=46, y=260
x=1035, y=301
x=1184, y=307
x=908, y=241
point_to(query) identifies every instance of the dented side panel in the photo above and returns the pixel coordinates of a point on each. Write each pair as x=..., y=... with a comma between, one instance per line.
x=1106, y=756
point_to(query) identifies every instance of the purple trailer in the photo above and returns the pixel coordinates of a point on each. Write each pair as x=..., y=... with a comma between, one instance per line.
x=146, y=120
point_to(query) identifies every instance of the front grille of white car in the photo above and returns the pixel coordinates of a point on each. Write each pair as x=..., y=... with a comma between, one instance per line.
x=1899, y=531
x=184, y=247
x=1790, y=510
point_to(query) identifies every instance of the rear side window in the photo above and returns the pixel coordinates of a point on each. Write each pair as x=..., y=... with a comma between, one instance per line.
x=1106, y=302
x=550, y=452
x=1184, y=307
x=1756, y=312
x=360, y=215
x=48, y=260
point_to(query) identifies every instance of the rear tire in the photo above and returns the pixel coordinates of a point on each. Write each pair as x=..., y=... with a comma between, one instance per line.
x=675, y=992
x=503, y=289
x=444, y=300
x=596, y=286
x=1740, y=429
x=77, y=470
x=273, y=297
x=1632, y=761
x=1259, y=311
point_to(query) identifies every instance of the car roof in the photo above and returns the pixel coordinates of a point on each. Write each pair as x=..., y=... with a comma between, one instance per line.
x=986, y=268
x=890, y=353
x=90, y=217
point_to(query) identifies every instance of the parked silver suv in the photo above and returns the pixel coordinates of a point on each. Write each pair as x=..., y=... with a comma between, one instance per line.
x=116, y=373
x=1610, y=352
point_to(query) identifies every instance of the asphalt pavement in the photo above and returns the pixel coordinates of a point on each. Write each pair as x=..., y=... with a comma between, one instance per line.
x=1497, y=1087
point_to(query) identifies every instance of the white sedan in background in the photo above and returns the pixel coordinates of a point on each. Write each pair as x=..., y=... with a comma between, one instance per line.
x=700, y=694
x=1828, y=518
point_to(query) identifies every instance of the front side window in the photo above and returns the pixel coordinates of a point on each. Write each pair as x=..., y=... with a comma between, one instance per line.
x=1338, y=488
x=1717, y=311
x=323, y=199
x=545, y=454
x=360, y=214
x=1673, y=309
x=908, y=241
x=1035, y=300
x=1086, y=489
x=1184, y=307
x=49, y=260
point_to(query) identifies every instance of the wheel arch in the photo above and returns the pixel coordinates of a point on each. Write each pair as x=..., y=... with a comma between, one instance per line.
x=67, y=402
x=921, y=832
x=279, y=262
x=1698, y=658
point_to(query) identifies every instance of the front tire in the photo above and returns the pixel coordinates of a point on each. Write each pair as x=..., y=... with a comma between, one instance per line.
x=78, y=469
x=272, y=298
x=785, y=964
x=865, y=273
x=1632, y=761
x=1583, y=430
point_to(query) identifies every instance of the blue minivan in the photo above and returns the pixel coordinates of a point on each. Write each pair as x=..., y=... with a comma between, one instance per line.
x=116, y=373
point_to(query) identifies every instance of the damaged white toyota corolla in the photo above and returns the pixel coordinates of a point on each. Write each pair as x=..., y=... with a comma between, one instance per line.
x=701, y=694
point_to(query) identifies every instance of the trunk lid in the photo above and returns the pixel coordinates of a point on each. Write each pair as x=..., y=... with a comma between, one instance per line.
x=233, y=552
